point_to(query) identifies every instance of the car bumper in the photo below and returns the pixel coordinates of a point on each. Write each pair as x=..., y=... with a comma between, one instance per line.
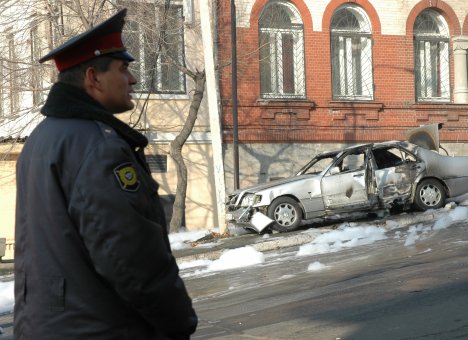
x=249, y=218
x=241, y=215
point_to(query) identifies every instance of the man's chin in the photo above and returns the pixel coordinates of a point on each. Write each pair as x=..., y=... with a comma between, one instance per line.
x=131, y=105
x=128, y=107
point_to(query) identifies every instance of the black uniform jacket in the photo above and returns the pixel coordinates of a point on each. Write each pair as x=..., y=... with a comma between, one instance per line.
x=92, y=255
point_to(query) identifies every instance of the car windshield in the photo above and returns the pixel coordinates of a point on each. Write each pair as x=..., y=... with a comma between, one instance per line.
x=317, y=164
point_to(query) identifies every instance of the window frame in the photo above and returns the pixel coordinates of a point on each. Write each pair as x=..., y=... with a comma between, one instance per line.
x=356, y=85
x=423, y=45
x=276, y=55
x=140, y=66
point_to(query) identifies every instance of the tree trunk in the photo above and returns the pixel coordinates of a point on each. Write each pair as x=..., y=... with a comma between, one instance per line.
x=178, y=210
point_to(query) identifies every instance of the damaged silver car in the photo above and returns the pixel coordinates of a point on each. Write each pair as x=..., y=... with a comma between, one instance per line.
x=370, y=177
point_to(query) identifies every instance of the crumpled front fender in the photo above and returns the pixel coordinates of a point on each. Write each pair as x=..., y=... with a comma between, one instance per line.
x=250, y=218
x=241, y=215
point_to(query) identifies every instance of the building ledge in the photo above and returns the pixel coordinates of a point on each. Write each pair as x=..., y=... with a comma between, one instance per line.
x=362, y=105
x=341, y=109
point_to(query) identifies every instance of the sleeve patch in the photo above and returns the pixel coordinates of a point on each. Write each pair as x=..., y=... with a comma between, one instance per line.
x=127, y=177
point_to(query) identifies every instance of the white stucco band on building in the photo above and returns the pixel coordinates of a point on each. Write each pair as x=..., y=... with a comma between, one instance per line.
x=157, y=137
x=460, y=49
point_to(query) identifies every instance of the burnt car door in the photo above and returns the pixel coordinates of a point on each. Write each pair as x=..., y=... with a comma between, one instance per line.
x=349, y=183
x=396, y=173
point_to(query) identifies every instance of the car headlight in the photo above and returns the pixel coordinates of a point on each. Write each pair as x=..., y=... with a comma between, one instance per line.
x=250, y=200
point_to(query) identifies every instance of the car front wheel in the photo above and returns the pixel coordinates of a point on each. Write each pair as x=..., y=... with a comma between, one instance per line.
x=287, y=214
x=430, y=194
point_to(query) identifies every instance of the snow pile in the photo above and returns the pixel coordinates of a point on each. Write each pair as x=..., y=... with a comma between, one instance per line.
x=230, y=259
x=347, y=237
x=455, y=215
x=193, y=264
x=316, y=266
x=182, y=239
x=413, y=234
x=236, y=258
x=443, y=222
x=7, y=300
x=185, y=239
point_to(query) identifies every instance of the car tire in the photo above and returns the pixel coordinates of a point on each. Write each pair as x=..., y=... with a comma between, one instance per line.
x=286, y=213
x=430, y=194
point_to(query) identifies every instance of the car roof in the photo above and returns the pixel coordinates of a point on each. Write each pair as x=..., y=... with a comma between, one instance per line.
x=357, y=146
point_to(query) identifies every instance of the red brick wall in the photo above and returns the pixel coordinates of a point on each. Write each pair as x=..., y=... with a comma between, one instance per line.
x=319, y=118
x=465, y=26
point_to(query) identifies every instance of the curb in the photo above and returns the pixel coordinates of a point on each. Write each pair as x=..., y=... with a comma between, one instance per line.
x=285, y=241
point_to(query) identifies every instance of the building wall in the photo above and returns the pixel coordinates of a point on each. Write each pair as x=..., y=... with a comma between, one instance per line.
x=7, y=205
x=200, y=210
x=318, y=119
x=162, y=116
x=8, y=156
x=162, y=119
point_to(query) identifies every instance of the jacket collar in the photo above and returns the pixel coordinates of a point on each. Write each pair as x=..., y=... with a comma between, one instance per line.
x=67, y=101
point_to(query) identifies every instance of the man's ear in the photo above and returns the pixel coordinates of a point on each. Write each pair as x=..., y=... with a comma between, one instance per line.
x=91, y=79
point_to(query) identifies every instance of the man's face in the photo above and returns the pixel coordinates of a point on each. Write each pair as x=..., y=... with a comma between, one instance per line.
x=116, y=87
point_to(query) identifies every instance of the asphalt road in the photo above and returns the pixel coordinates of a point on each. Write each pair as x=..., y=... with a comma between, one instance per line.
x=381, y=291
x=385, y=290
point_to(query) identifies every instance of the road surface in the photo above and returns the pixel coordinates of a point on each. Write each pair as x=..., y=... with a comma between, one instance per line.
x=385, y=290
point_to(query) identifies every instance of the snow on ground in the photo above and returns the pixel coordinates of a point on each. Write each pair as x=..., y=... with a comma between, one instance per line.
x=182, y=239
x=6, y=296
x=347, y=235
x=316, y=266
x=236, y=258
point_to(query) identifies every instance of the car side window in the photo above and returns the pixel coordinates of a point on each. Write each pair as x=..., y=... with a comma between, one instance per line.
x=318, y=166
x=409, y=158
x=352, y=162
x=391, y=157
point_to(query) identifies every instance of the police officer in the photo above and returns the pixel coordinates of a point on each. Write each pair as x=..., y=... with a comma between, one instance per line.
x=92, y=255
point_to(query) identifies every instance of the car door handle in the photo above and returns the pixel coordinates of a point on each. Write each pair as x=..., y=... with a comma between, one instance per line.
x=358, y=175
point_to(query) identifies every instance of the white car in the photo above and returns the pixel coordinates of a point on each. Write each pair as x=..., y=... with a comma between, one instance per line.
x=369, y=177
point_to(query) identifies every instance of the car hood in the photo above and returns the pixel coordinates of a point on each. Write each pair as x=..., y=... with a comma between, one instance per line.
x=259, y=187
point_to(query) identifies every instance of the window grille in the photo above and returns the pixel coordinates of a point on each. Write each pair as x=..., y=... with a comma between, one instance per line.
x=431, y=57
x=157, y=163
x=2, y=89
x=351, y=54
x=35, y=81
x=281, y=52
x=13, y=68
x=156, y=66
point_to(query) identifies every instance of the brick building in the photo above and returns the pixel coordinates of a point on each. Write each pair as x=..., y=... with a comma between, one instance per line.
x=315, y=75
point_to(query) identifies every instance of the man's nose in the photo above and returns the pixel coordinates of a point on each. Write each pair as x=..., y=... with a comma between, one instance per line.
x=132, y=80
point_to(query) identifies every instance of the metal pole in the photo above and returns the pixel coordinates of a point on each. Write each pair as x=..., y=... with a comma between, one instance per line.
x=235, y=133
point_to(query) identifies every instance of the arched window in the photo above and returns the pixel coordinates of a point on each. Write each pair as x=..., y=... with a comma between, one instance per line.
x=351, y=54
x=431, y=57
x=281, y=51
